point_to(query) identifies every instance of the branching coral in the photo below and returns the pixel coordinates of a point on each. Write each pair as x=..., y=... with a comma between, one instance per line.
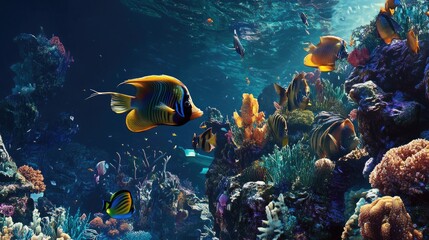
x=387, y=219
x=33, y=176
x=250, y=122
x=329, y=98
x=290, y=166
x=279, y=221
x=403, y=170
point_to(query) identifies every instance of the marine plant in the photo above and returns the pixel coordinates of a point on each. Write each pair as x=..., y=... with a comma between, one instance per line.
x=280, y=222
x=77, y=225
x=290, y=166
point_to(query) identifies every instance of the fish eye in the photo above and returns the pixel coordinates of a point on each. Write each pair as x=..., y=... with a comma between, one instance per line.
x=187, y=104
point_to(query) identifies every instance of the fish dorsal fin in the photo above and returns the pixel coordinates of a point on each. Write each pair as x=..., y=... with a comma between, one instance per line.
x=165, y=108
x=310, y=48
x=137, y=123
x=282, y=93
x=139, y=82
x=330, y=39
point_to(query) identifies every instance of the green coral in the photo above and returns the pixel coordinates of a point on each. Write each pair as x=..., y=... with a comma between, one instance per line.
x=77, y=226
x=300, y=119
x=290, y=166
x=332, y=99
x=280, y=222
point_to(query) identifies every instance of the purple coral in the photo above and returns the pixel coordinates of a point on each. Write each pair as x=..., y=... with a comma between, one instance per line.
x=221, y=203
x=7, y=210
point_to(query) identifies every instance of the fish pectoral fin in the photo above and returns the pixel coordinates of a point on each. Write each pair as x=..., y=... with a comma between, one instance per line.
x=333, y=144
x=137, y=123
x=165, y=108
x=326, y=68
x=308, y=62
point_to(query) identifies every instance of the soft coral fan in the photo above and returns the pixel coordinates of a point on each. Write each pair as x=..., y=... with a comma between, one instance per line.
x=279, y=221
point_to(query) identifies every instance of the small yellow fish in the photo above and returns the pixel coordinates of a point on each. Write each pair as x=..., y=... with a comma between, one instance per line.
x=174, y=134
x=387, y=28
x=413, y=41
x=203, y=125
x=160, y=100
x=324, y=55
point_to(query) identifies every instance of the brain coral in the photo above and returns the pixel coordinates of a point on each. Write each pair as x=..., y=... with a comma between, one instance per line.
x=387, y=219
x=403, y=170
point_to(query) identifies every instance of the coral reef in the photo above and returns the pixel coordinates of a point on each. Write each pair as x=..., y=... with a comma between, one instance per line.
x=111, y=228
x=387, y=218
x=250, y=122
x=391, y=91
x=403, y=170
x=33, y=176
x=279, y=222
x=351, y=229
x=290, y=167
x=358, y=57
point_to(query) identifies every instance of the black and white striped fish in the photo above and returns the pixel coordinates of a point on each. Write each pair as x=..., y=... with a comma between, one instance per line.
x=160, y=100
x=278, y=128
x=297, y=95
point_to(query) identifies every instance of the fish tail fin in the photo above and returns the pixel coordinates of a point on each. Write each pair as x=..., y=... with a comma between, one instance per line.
x=119, y=103
x=310, y=48
x=282, y=93
x=212, y=140
x=106, y=205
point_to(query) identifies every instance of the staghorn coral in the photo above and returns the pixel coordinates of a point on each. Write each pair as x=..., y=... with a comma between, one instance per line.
x=250, y=122
x=403, y=170
x=387, y=219
x=280, y=222
x=33, y=176
x=290, y=166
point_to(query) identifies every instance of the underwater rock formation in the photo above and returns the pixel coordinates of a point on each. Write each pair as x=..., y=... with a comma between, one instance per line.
x=403, y=170
x=387, y=219
x=392, y=93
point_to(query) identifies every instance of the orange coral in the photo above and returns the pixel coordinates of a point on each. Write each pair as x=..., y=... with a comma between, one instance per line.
x=97, y=223
x=387, y=219
x=404, y=169
x=113, y=232
x=251, y=120
x=33, y=176
x=124, y=227
x=111, y=222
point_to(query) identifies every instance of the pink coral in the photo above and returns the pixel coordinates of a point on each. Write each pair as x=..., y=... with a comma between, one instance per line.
x=33, y=176
x=358, y=57
x=7, y=210
x=57, y=43
x=404, y=169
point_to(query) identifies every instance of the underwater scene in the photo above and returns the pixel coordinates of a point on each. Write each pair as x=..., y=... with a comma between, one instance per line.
x=223, y=120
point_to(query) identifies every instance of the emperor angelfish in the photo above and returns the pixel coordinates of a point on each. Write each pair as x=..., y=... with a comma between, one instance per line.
x=297, y=95
x=160, y=100
x=278, y=128
x=206, y=140
x=332, y=136
x=327, y=51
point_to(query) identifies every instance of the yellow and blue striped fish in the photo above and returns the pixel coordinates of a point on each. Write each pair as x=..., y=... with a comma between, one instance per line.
x=120, y=206
x=160, y=100
x=278, y=127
